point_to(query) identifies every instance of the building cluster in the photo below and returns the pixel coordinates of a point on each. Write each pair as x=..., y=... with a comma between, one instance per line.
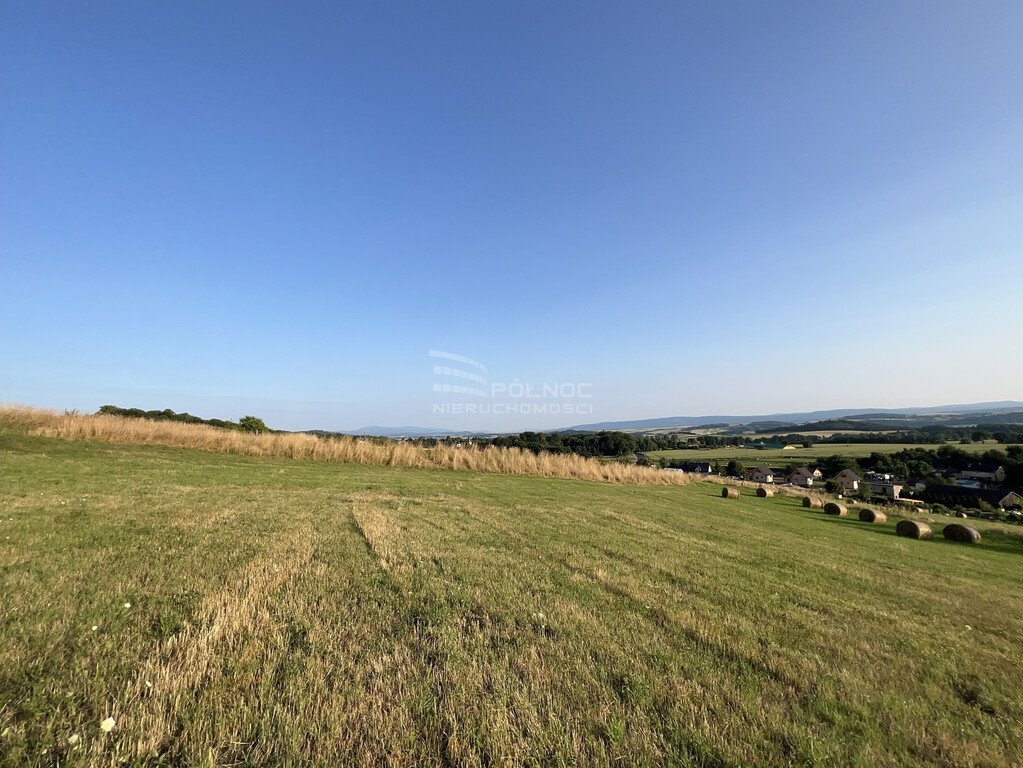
x=976, y=483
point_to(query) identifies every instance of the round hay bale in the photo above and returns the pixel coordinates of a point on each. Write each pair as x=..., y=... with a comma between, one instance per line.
x=911, y=529
x=963, y=515
x=872, y=516
x=729, y=493
x=764, y=493
x=811, y=503
x=959, y=532
x=834, y=508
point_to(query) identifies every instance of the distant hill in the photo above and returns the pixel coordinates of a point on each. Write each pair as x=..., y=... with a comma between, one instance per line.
x=409, y=432
x=852, y=419
x=1000, y=412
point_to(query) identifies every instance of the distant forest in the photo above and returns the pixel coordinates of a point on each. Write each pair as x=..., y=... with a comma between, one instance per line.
x=608, y=443
x=582, y=443
x=1000, y=433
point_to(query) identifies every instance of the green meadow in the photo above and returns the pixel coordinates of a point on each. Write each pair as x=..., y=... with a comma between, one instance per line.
x=750, y=456
x=228, y=610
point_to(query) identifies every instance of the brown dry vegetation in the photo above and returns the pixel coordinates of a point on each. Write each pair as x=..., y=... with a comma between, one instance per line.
x=344, y=450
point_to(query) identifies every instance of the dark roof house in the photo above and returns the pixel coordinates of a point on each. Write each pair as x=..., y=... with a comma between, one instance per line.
x=970, y=497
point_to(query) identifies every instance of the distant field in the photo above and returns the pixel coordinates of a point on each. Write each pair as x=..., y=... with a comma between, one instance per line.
x=853, y=450
x=822, y=433
x=253, y=611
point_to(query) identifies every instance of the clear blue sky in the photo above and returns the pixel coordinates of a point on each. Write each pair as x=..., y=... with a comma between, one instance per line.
x=281, y=208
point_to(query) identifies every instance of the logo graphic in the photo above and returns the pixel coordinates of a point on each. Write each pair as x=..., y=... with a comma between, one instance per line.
x=462, y=385
x=468, y=370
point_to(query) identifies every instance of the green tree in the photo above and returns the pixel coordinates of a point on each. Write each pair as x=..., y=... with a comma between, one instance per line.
x=832, y=465
x=252, y=424
x=733, y=468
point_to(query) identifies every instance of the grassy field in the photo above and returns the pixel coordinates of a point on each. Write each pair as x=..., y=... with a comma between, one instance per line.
x=815, y=453
x=246, y=610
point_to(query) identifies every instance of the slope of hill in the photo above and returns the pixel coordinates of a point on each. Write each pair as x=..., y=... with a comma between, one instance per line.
x=1006, y=411
x=245, y=610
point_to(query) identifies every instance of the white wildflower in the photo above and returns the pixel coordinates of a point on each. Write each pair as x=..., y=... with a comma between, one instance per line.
x=127, y=605
x=107, y=725
x=72, y=739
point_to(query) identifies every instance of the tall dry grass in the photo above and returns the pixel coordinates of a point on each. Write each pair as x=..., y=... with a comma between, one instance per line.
x=343, y=450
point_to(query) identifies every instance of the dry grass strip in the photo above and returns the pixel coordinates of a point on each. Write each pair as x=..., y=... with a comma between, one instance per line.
x=182, y=665
x=346, y=450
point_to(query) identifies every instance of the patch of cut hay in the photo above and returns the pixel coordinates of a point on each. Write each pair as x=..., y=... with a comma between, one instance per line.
x=836, y=509
x=872, y=516
x=913, y=529
x=964, y=533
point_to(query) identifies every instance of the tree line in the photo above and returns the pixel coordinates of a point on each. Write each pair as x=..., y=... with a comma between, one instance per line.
x=590, y=444
x=245, y=423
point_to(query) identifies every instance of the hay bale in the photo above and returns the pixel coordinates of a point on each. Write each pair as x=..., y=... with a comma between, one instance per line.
x=872, y=516
x=764, y=493
x=911, y=529
x=729, y=493
x=834, y=508
x=959, y=532
x=811, y=503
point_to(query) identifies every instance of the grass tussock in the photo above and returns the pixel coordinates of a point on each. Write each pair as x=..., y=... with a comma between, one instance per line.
x=342, y=450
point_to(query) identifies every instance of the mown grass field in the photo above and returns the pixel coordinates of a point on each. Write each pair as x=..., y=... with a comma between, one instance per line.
x=236, y=610
x=815, y=453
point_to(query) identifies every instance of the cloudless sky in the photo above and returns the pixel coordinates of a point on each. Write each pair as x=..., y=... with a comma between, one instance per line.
x=281, y=208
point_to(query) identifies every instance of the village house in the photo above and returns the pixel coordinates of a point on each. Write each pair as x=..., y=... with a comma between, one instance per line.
x=971, y=497
x=759, y=474
x=888, y=488
x=883, y=484
x=849, y=480
x=802, y=477
x=984, y=472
